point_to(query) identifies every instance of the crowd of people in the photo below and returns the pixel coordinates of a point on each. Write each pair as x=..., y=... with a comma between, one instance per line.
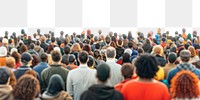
x=100, y=67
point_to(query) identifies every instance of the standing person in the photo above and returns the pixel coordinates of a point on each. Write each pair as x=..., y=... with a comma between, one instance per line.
x=171, y=63
x=127, y=72
x=43, y=44
x=56, y=89
x=81, y=78
x=3, y=56
x=26, y=60
x=55, y=68
x=146, y=68
x=184, y=65
x=5, y=88
x=120, y=49
x=42, y=65
x=184, y=35
x=115, y=69
x=185, y=86
x=101, y=91
x=194, y=56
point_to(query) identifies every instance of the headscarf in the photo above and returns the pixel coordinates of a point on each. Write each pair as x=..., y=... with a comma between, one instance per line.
x=56, y=85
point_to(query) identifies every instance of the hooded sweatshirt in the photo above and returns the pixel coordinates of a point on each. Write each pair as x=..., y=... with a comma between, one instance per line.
x=5, y=92
x=101, y=92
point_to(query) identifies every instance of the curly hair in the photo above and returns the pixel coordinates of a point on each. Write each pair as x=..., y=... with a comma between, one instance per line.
x=185, y=85
x=26, y=88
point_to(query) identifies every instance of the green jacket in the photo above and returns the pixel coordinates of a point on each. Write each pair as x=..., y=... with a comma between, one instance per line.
x=53, y=69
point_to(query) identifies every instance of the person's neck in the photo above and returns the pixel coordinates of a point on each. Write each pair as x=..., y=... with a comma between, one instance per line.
x=83, y=64
x=56, y=63
x=145, y=80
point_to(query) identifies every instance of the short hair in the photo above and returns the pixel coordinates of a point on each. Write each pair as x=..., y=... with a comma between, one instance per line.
x=10, y=62
x=32, y=46
x=90, y=61
x=23, y=49
x=103, y=72
x=147, y=66
x=53, y=39
x=126, y=58
x=56, y=56
x=130, y=44
x=97, y=46
x=83, y=57
x=120, y=42
x=44, y=57
x=67, y=49
x=127, y=70
x=172, y=57
x=110, y=52
x=37, y=42
x=87, y=48
x=185, y=55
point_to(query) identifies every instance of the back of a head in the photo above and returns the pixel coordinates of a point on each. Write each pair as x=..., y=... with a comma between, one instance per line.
x=53, y=39
x=32, y=46
x=67, y=49
x=56, y=56
x=147, y=66
x=172, y=57
x=185, y=55
x=4, y=75
x=184, y=85
x=130, y=44
x=120, y=42
x=10, y=62
x=127, y=70
x=158, y=50
x=37, y=42
x=103, y=72
x=71, y=58
x=44, y=57
x=192, y=51
x=90, y=62
x=126, y=58
x=110, y=52
x=83, y=57
x=56, y=85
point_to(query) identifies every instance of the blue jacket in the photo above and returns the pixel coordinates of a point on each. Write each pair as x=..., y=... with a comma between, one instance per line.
x=40, y=67
x=21, y=71
x=175, y=70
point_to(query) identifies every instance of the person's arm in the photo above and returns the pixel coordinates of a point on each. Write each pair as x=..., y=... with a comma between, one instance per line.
x=70, y=85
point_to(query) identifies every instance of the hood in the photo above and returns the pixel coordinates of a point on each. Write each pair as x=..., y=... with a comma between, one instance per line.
x=101, y=92
x=5, y=91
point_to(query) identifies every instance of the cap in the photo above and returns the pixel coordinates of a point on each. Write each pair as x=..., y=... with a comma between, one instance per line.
x=103, y=72
x=26, y=57
x=4, y=75
x=3, y=51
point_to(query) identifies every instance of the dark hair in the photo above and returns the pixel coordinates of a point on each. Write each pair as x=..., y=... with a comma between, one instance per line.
x=16, y=55
x=127, y=70
x=53, y=39
x=44, y=57
x=23, y=49
x=35, y=60
x=97, y=54
x=90, y=61
x=83, y=57
x=10, y=41
x=103, y=72
x=97, y=46
x=59, y=42
x=87, y=48
x=32, y=45
x=126, y=58
x=130, y=44
x=172, y=57
x=56, y=56
x=37, y=42
x=147, y=66
x=120, y=42
x=67, y=49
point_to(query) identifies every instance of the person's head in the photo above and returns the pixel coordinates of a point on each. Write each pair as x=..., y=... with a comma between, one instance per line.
x=120, y=42
x=83, y=57
x=43, y=39
x=5, y=42
x=44, y=57
x=192, y=51
x=27, y=84
x=183, y=30
x=126, y=58
x=146, y=66
x=55, y=86
x=10, y=62
x=76, y=48
x=56, y=56
x=61, y=33
x=87, y=48
x=32, y=46
x=35, y=60
x=67, y=49
x=157, y=50
x=97, y=46
x=103, y=72
x=113, y=44
x=130, y=44
x=185, y=55
x=53, y=39
x=31, y=72
x=72, y=59
x=90, y=62
x=108, y=39
x=127, y=70
x=3, y=51
x=184, y=85
x=172, y=57
x=16, y=56
x=37, y=43
x=4, y=75
x=97, y=54
x=26, y=59
x=110, y=53
x=23, y=49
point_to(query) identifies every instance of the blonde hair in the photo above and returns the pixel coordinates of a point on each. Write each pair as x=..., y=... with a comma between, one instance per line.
x=158, y=50
x=10, y=62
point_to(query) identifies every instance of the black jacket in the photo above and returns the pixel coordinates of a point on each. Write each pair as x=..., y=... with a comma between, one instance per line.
x=101, y=92
x=161, y=61
x=44, y=46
